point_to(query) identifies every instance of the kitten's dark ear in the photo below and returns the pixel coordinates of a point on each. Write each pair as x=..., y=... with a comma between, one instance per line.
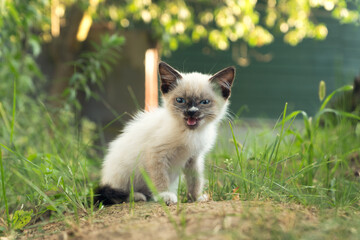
x=224, y=79
x=168, y=76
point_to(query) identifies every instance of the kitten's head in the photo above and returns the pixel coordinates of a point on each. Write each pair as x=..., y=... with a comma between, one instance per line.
x=196, y=99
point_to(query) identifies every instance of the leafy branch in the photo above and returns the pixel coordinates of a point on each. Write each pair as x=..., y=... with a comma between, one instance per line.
x=92, y=67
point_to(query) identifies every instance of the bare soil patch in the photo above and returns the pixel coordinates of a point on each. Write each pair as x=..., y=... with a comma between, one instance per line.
x=208, y=220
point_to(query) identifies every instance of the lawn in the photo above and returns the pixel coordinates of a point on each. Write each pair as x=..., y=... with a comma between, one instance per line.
x=294, y=177
x=290, y=178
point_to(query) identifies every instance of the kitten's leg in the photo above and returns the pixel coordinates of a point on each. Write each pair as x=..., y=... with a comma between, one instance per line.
x=157, y=170
x=194, y=171
x=139, y=197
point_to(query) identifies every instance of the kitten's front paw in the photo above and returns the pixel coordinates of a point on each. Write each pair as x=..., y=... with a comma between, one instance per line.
x=203, y=198
x=168, y=197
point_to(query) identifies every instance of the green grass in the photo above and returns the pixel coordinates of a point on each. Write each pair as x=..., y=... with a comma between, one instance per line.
x=49, y=164
x=313, y=171
x=301, y=162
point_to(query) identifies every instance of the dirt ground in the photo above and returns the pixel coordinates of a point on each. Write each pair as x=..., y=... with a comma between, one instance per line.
x=209, y=220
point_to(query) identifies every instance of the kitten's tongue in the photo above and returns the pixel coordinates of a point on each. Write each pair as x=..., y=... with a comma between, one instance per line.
x=191, y=121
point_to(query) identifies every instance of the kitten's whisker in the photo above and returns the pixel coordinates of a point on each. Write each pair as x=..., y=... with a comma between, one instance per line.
x=231, y=114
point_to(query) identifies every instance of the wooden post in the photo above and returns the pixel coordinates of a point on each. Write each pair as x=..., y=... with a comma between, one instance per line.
x=151, y=79
x=55, y=19
x=86, y=21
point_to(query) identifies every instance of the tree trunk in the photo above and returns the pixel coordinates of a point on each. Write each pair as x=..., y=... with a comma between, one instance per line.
x=63, y=50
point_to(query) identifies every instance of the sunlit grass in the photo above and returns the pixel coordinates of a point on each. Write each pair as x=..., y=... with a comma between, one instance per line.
x=49, y=165
x=291, y=162
x=293, y=169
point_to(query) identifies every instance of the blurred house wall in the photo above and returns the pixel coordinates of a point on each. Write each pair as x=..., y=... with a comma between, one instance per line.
x=124, y=87
x=266, y=78
x=292, y=75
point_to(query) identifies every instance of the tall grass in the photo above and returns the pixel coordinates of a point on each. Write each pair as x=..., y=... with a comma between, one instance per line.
x=4, y=189
x=294, y=161
x=13, y=113
x=46, y=167
x=48, y=163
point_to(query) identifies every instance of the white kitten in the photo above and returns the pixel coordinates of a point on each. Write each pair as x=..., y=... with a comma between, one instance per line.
x=171, y=138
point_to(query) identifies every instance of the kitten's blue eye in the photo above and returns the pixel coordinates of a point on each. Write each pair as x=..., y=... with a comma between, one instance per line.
x=180, y=100
x=206, y=101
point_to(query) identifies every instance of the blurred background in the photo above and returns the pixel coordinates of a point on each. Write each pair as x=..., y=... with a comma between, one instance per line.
x=72, y=72
x=98, y=58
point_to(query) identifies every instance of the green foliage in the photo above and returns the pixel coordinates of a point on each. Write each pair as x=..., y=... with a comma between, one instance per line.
x=222, y=22
x=47, y=158
x=19, y=45
x=180, y=21
x=21, y=218
x=92, y=67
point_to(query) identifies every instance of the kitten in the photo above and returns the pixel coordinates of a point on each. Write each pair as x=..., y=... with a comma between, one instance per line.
x=169, y=139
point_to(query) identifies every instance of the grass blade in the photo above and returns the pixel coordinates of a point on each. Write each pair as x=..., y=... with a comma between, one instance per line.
x=13, y=114
x=155, y=192
x=240, y=162
x=328, y=98
x=37, y=189
x=4, y=189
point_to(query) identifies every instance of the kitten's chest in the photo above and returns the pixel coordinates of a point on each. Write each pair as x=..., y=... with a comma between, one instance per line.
x=195, y=143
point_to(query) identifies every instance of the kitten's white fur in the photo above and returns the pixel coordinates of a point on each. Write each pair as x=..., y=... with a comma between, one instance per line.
x=160, y=135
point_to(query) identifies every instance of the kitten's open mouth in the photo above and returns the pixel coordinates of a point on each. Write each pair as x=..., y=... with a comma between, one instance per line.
x=192, y=122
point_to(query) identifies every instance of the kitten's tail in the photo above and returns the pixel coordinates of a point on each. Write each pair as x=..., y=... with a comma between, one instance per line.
x=108, y=195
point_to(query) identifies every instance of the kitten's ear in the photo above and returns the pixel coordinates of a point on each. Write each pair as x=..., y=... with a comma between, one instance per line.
x=224, y=79
x=168, y=76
